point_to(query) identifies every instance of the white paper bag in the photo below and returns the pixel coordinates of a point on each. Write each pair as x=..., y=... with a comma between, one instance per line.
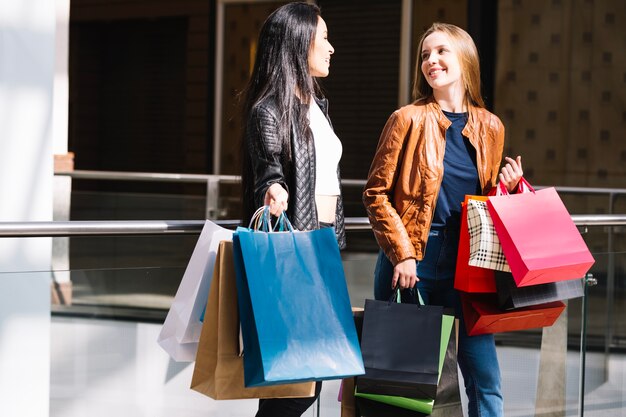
x=181, y=330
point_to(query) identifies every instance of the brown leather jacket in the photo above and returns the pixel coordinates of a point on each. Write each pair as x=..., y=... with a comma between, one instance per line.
x=407, y=170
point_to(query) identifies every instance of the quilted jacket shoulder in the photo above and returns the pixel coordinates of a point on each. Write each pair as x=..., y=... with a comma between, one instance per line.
x=293, y=168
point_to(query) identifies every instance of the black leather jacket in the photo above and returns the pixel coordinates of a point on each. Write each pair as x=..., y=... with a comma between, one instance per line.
x=271, y=165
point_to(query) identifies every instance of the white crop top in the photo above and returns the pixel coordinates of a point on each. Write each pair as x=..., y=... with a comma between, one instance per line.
x=328, y=151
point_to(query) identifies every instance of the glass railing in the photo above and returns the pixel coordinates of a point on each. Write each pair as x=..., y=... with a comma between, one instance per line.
x=105, y=359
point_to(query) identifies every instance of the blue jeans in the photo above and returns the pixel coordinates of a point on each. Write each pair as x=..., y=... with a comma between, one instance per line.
x=477, y=354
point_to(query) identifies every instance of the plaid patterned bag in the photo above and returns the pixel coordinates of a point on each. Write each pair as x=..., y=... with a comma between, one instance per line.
x=485, y=249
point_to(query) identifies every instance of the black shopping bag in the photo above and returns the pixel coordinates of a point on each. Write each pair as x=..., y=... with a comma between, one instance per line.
x=400, y=345
x=447, y=404
x=510, y=296
x=448, y=401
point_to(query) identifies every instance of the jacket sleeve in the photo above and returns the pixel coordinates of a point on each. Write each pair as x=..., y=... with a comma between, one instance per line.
x=498, y=144
x=386, y=223
x=266, y=151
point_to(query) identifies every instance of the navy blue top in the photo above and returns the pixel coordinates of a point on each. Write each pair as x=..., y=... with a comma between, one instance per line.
x=460, y=176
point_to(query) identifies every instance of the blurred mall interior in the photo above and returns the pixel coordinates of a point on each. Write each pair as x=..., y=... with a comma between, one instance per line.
x=125, y=115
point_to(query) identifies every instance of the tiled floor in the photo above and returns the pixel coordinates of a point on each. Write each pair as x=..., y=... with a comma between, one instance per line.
x=113, y=368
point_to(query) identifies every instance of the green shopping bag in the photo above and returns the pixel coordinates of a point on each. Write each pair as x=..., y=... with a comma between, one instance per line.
x=447, y=345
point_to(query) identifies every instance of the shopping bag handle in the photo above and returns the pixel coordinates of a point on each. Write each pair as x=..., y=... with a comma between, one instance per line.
x=262, y=221
x=397, y=298
x=522, y=187
x=283, y=223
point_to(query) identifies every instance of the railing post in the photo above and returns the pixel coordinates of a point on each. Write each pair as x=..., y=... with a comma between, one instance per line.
x=212, y=197
x=61, y=278
x=588, y=281
x=610, y=292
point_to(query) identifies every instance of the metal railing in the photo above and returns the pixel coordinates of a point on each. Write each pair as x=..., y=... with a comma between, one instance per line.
x=180, y=227
x=213, y=182
x=156, y=227
x=212, y=211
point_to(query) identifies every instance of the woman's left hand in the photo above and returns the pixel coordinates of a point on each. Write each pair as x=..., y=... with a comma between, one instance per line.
x=511, y=173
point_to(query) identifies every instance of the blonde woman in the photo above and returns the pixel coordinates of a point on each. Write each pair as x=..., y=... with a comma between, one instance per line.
x=431, y=154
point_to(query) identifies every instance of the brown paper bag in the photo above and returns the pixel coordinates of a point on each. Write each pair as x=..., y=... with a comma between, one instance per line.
x=348, y=404
x=218, y=371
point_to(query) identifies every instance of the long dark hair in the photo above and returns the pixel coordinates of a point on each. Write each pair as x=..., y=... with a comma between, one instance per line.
x=281, y=69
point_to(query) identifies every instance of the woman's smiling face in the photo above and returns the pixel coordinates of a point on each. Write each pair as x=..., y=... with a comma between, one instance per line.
x=321, y=50
x=440, y=63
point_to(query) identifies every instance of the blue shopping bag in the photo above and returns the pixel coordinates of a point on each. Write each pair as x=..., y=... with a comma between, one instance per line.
x=296, y=318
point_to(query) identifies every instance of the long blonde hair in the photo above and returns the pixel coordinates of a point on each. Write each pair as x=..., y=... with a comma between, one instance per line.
x=465, y=48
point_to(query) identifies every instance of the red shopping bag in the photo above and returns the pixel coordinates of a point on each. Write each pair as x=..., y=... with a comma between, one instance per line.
x=466, y=277
x=481, y=315
x=539, y=239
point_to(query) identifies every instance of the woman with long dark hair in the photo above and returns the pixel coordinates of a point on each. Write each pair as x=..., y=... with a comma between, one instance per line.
x=290, y=153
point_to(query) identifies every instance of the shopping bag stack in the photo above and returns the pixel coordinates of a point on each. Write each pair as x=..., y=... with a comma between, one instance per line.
x=278, y=315
x=218, y=370
x=295, y=310
x=409, y=352
x=519, y=257
x=181, y=330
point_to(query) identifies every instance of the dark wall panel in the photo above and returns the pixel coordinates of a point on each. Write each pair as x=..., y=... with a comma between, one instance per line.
x=128, y=94
x=363, y=83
